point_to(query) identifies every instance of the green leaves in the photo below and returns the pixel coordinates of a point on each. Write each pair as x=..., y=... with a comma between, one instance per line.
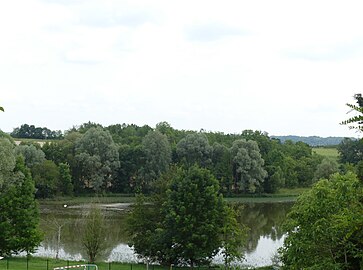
x=187, y=224
x=324, y=226
x=1, y=109
x=355, y=122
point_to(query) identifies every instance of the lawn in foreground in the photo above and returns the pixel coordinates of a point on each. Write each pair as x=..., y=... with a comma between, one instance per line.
x=33, y=263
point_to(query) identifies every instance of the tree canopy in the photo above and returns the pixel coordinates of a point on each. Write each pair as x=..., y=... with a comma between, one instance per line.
x=188, y=222
x=325, y=226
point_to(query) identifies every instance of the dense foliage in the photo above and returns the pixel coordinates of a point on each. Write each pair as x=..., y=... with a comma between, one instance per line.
x=19, y=215
x=32, y=132
x=325, y=226
x=187, y=223
x=129, y=158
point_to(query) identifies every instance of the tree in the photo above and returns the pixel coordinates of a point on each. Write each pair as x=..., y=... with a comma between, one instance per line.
x=93, y=237
x=46, y=177
x=19, y=214
x=326, y=168
x=65, y=179
x=157, y=154
x=187, y=222
x=1, y=109
x=31, y=154
x=30, y=131
x=248, y=171
x=7, y=160
x=325, y=226
x=97, y=158
x=194, y=149
x=194, y=217
x=350, y=151
x=355, y=122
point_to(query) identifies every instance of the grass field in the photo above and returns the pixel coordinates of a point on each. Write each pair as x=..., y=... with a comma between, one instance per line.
x=21, y=263
x=327, y=152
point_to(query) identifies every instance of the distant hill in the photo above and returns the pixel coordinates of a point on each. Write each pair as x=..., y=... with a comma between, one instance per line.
x=312, y=140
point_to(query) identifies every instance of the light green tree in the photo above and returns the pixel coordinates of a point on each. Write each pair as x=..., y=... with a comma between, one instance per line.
x=97, y=158
x=194, y=149
x=94, y=233
x=31, y=154
x=248, y=171
x=326, y=168
x=7, y=160
x=325, y=226
x=157, y=153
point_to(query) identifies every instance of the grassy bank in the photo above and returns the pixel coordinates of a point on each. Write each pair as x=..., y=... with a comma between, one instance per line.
x=284, y=195
x=49, y=264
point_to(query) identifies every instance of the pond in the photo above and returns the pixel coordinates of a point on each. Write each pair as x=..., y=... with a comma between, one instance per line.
x=63, y=227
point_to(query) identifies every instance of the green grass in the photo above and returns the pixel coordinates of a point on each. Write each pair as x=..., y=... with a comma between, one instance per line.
x=284, y=195
x=21, y=263
x=330, y=152
x=115, y=198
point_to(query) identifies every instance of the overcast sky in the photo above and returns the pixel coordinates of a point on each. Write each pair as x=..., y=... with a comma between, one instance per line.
x=284, y=67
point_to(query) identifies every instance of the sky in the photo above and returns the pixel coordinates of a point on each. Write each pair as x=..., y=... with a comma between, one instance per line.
x=282, y=67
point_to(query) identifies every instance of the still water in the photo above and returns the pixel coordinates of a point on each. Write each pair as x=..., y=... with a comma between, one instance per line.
x=63, y=227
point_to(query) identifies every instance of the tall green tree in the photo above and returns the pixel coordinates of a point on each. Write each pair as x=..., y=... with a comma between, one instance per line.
x=157, y=154
x=189, y=224
x=97, y=158
x=194, y=216
x=19, y=213
x=94, y=233
x=325, y=226
x=248, y=171
x=65, y=179
x=194, y=149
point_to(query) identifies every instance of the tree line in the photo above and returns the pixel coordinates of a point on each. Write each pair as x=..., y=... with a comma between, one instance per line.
x=130, y=158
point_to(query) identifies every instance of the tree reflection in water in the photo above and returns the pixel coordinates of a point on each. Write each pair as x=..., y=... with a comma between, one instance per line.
x=263, y=219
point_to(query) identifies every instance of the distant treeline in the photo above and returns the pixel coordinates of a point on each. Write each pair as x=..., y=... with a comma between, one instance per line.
x=126, y=158
x=312, y=140
x=31, y=132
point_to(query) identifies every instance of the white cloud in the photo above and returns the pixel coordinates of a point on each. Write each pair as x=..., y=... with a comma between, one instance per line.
x=285, y=67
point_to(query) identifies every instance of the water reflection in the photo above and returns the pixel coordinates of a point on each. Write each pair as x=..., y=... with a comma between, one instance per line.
x=63, y=228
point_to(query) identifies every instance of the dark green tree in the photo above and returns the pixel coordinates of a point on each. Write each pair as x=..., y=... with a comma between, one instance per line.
x=46, y=177
x=186, y=221
x=350, y=151
x=65, y=179
x=194, y=217
x=19, y=214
